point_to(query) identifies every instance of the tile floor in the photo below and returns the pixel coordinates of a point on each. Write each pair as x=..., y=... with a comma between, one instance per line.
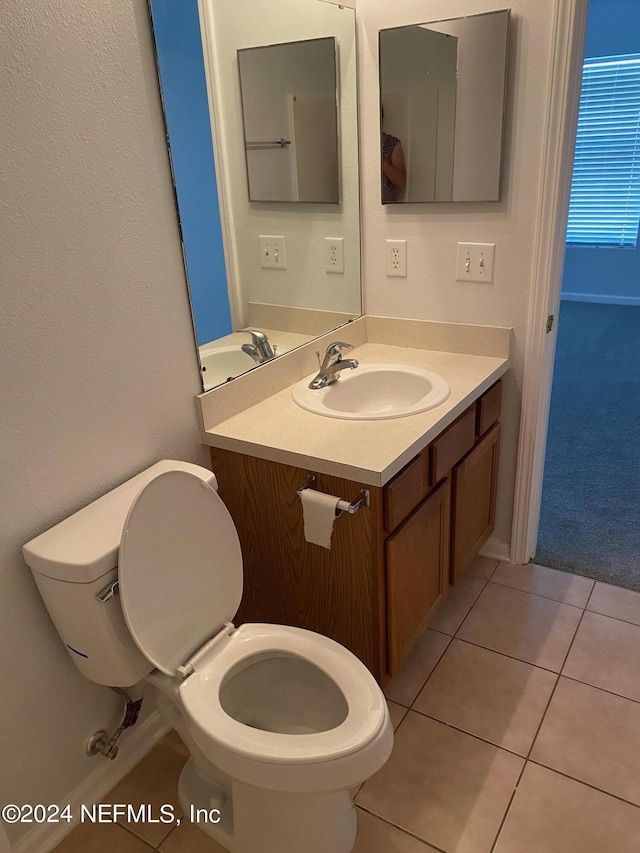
x=517, y=731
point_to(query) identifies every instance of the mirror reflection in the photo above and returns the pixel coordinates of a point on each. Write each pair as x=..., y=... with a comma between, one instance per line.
x=265, y=276
x=442, y=90
x=289, y=112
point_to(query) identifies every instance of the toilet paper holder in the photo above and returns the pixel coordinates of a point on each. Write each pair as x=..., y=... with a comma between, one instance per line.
x=343, y=506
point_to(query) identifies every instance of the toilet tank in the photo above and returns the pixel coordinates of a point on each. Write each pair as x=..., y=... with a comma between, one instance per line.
x=76, y=562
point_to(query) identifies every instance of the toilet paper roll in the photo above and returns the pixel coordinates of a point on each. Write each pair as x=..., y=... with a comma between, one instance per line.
x=319, y=513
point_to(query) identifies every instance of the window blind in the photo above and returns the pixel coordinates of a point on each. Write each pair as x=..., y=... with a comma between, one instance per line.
x=604, y=208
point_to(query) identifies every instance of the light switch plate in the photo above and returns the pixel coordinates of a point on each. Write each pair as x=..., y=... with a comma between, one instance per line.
x=475, y=262
x=273, y=252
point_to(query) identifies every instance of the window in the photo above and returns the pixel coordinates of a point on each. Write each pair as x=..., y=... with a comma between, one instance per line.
x=605, y=190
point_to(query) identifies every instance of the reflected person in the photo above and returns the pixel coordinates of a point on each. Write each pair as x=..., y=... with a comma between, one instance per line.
x=394, y=172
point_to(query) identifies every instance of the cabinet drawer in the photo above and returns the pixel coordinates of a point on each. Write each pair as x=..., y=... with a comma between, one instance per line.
x=452, y=445
x=405, y=491
x=489, y=409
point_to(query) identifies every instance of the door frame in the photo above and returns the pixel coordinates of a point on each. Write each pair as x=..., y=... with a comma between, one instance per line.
x=569, y=28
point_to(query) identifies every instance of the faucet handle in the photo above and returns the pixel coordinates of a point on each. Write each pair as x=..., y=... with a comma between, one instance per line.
x=256, y=336
x=336, y=348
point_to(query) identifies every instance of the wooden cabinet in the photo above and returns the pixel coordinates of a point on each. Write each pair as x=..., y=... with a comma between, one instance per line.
x=405, y=491
x=338, y=592
x=390, y=563
x=417, y=557
x=474, y=488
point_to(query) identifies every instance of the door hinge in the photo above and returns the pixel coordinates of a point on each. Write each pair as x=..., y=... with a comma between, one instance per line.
x=549, y=325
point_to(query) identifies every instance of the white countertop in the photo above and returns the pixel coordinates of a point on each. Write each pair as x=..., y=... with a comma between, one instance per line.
x=369, y=452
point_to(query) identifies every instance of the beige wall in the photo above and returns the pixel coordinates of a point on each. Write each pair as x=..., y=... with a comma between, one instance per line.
x=98, y=363
x=430, y=290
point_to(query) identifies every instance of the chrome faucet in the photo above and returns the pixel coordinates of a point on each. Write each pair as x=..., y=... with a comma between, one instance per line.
x=259, y=349
x=332, y=364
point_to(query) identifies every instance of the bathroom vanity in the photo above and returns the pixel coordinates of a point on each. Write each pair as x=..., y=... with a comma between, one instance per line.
x=431, y=481
x=390, y=563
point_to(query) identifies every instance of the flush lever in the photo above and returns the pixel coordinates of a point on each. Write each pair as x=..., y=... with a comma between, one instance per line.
x=108, y=592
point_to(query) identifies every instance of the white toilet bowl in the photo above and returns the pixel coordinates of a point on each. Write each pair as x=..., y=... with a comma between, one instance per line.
x=288, y=710
x=280, y=721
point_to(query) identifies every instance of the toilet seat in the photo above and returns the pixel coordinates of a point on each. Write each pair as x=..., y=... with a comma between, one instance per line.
x=270, y=759
x=179, y=568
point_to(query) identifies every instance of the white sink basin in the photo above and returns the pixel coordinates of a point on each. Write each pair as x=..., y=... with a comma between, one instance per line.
x=220, y=363
x=373, y=392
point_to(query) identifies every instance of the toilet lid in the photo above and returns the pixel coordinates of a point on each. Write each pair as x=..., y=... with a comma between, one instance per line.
x=180, y=568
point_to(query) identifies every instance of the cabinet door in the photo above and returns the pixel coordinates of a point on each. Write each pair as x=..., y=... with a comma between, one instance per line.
x=474, y=501
x=417, y=572
x=337, y=592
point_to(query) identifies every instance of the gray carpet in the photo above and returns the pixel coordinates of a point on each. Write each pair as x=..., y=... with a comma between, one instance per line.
x=590, y=521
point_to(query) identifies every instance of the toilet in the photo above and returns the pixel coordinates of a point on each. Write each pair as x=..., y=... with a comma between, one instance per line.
x=280, y=722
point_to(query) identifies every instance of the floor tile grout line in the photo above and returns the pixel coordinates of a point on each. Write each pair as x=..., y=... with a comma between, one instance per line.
x=615, y=618
x=504, y=655
x=540, y=595
x=467, y=611
x=401, y=828
x=149, y=844
x=593, y=589
x=524, y=765
x=438, y=631
x=535, y=594
x=440, y=656
x=601, y=689
x=470, y=734
x=433, y=669
x=582, y=782
x=573, y=639
x=555, y=686
x=527, y=758
x=508, y=808
x=406, y=711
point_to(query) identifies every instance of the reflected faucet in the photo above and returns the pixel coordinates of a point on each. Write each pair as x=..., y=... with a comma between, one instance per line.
x=259, y=349
x=332, y=364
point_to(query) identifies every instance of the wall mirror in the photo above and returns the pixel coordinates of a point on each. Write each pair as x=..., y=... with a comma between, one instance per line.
x=442, y=92
x=290, y=272
x=289, y=112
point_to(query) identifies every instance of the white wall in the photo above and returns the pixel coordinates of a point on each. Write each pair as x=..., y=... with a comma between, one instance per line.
x=98, y=363
x=432, y=231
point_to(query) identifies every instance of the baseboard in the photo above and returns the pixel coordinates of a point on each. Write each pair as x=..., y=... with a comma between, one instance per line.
x=496, y=549
x=44, y=837
x=604, y=298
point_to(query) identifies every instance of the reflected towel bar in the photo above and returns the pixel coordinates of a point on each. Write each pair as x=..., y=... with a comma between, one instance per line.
x=267, y=143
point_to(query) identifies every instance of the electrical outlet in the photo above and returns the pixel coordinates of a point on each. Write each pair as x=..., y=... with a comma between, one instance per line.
x=273, y=252
x=396, y=258
x=475, y=262
x=334, y=254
